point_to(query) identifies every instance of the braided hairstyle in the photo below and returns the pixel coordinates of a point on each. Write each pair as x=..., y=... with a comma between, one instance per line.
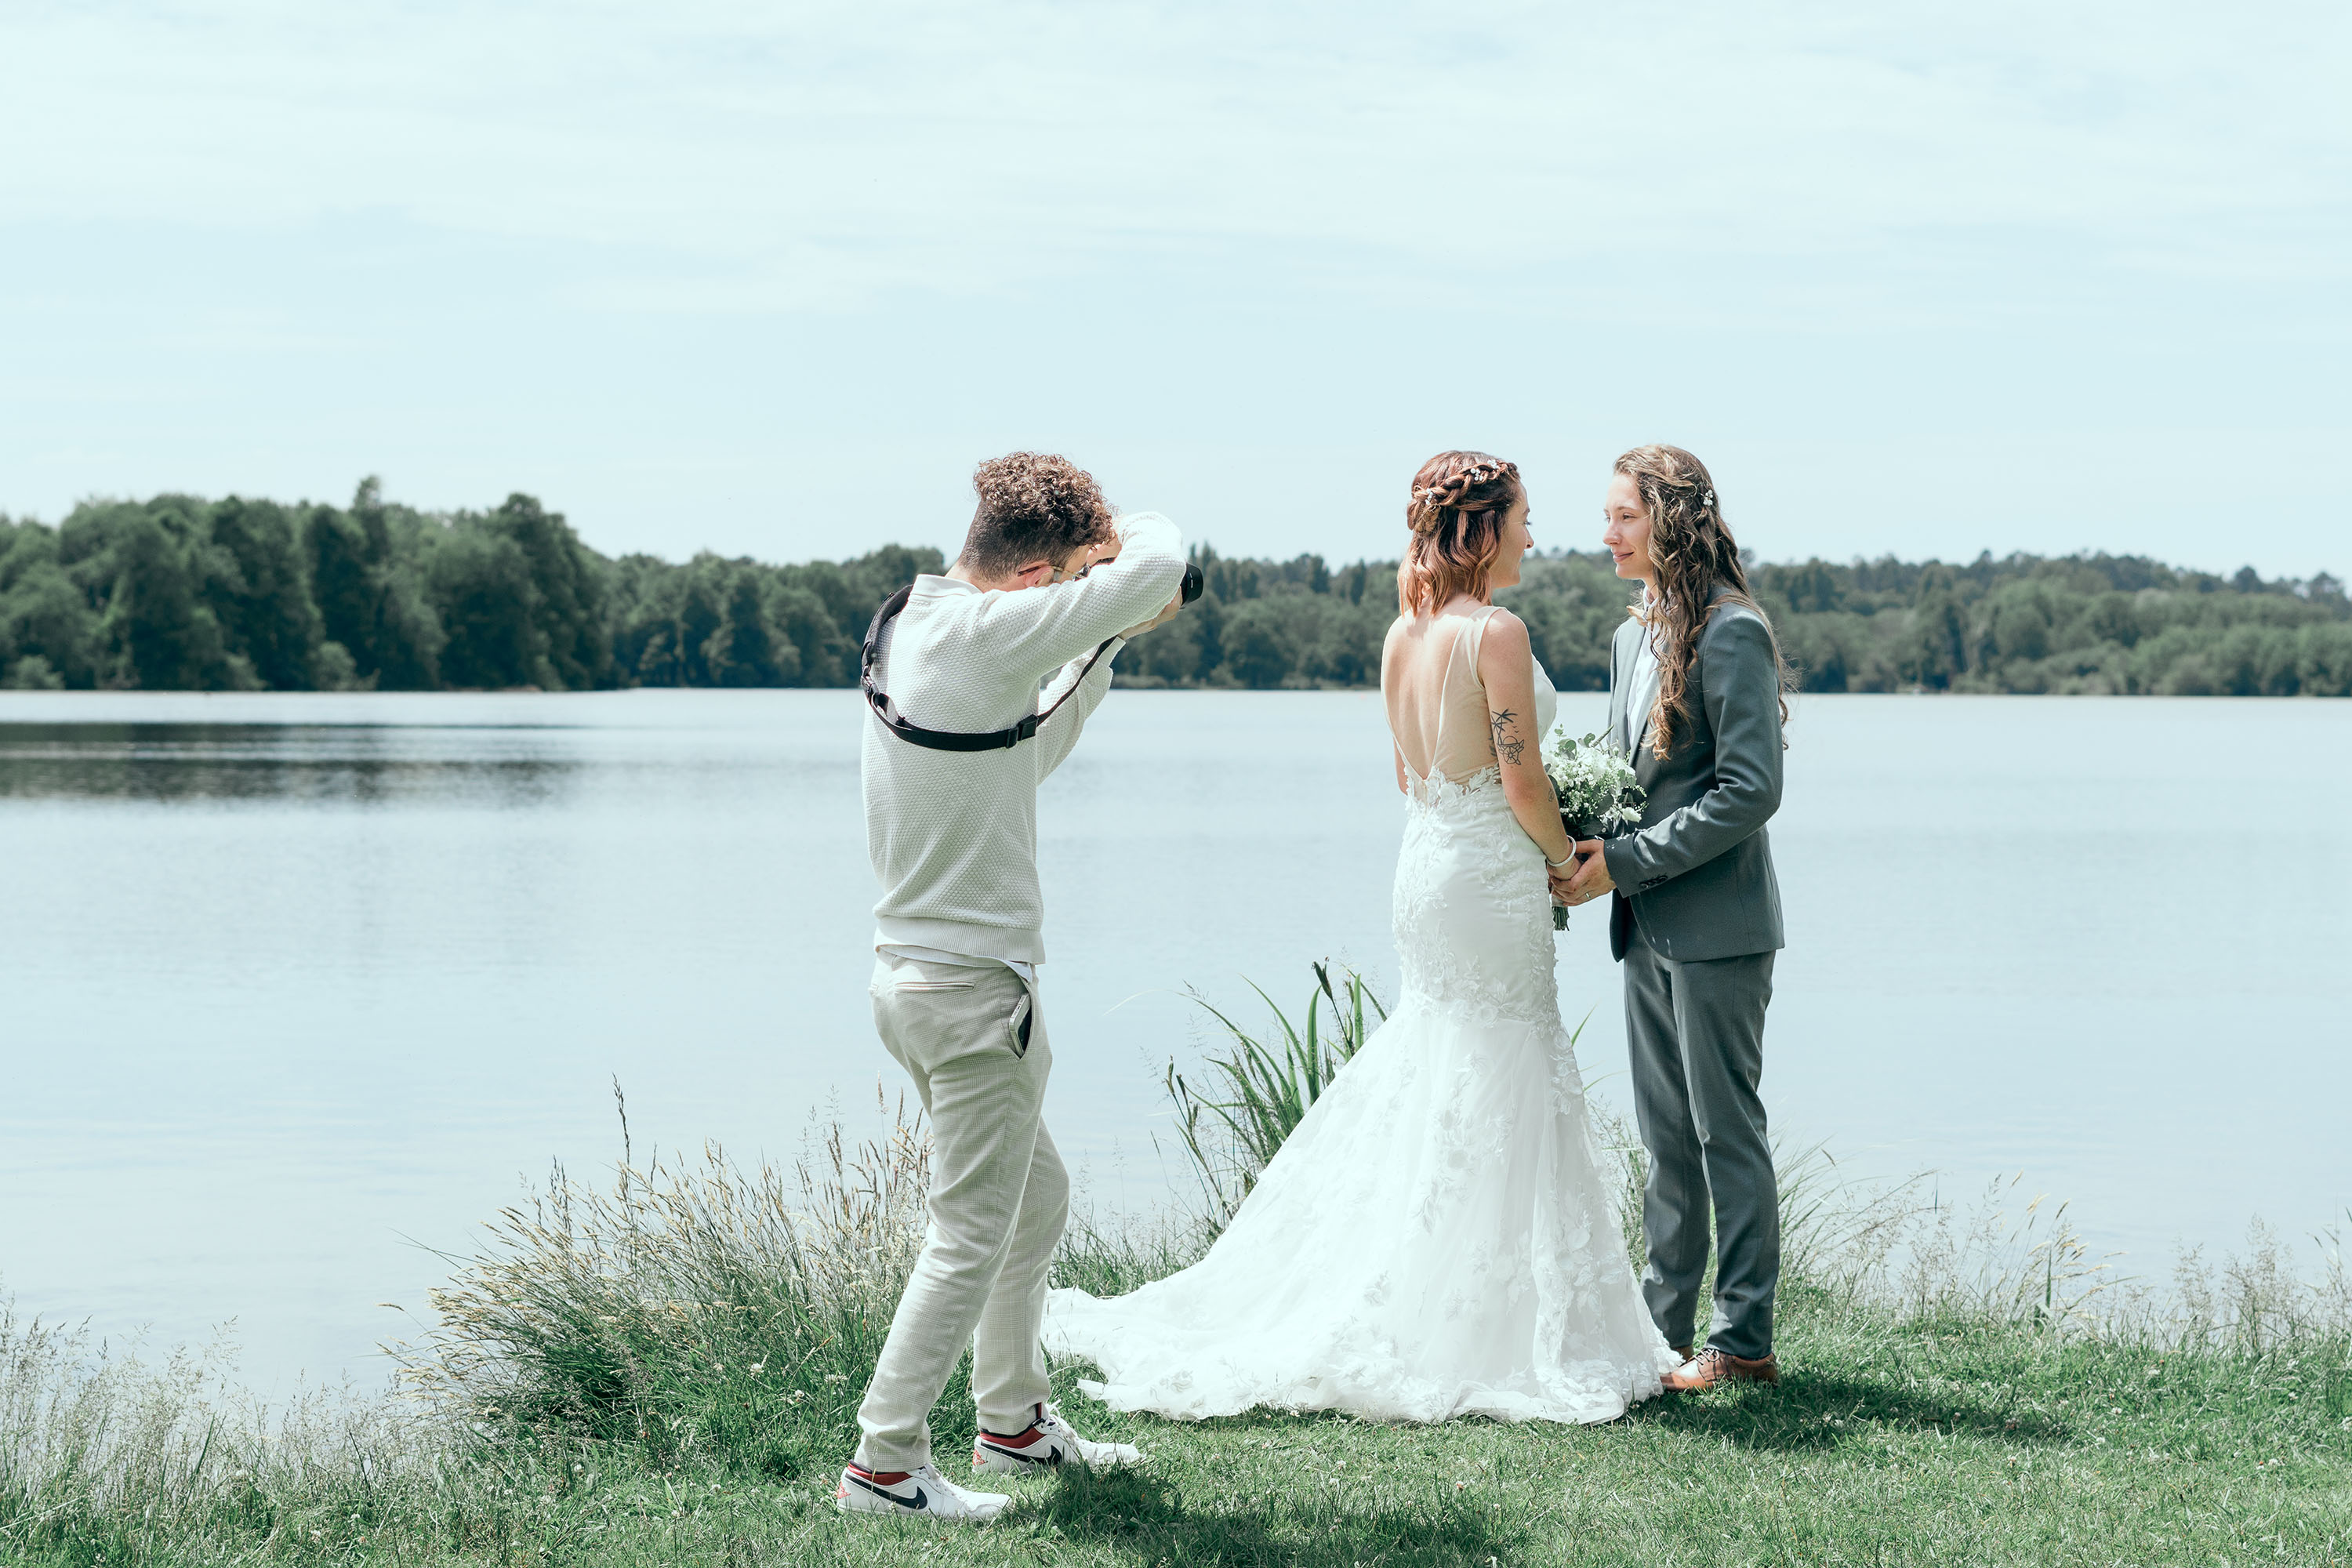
x=1032, y=506
x=1456, y=513
x=1692, y=548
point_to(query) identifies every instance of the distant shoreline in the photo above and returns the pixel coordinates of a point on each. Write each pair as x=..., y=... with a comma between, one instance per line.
x=182, y=594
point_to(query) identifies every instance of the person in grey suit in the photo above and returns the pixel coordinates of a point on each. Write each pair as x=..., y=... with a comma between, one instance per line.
x=1697, y=686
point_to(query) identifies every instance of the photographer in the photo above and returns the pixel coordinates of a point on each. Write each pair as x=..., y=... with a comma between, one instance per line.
x=1047, y=588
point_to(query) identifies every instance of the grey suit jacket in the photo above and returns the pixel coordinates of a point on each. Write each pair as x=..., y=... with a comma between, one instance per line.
x=1695, y=878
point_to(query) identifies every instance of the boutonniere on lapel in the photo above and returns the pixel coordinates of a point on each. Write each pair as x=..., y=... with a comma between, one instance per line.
x=1599, y=794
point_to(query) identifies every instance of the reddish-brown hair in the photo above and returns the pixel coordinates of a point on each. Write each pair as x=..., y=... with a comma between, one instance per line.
x=1456, y=517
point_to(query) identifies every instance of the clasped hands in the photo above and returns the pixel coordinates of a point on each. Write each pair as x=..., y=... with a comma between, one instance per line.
x=1584, y=879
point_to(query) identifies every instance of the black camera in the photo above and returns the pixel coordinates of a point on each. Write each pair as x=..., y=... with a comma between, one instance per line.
x=1193, y=582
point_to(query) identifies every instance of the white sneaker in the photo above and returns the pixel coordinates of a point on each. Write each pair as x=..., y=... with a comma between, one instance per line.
x=917, y=1494
x=1046, y=1444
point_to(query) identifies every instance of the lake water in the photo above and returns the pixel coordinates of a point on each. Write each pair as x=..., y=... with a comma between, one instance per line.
x=293, y=989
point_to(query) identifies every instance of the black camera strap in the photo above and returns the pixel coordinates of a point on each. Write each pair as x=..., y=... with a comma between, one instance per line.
x=899, y=724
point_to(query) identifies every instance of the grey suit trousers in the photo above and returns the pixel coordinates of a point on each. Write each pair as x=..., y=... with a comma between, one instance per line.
x=1695, y=1030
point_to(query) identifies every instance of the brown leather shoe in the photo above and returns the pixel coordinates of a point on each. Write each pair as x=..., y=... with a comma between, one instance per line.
x=1714, y=1366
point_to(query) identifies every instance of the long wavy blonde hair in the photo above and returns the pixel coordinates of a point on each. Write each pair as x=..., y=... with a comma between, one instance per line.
x=1456, y=513
x=1694, y=555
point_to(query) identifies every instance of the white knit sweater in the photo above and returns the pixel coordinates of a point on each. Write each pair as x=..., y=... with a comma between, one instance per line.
x=954, y=834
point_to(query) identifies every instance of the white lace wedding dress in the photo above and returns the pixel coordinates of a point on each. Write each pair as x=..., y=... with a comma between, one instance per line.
x=1436, y=1237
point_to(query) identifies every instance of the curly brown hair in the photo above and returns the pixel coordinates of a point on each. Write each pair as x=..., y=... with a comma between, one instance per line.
x=1456, y=513
x=1692, y=548
x=1034, y=506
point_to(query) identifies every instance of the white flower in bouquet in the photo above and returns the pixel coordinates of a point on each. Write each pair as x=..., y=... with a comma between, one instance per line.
x=1598, y=793
x=1594, y=779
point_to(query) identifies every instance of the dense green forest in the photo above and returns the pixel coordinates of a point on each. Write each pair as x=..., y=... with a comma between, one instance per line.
x=179, y=593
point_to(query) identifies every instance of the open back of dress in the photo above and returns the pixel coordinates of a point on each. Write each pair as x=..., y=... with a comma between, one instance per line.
x=1437, y=701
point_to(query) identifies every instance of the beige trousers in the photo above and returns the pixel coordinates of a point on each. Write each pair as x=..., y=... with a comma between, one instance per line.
x=972, y=1041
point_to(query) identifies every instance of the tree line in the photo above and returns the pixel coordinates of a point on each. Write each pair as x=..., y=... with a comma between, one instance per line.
x=182, y=594
x=2078, y=624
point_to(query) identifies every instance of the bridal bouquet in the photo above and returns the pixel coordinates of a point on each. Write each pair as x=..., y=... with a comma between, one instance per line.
x=1595, y=780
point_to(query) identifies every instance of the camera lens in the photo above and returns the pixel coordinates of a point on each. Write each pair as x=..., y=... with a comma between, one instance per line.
x=1192, y=581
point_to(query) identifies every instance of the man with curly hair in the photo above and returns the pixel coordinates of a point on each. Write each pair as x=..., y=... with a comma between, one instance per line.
x=1050, y=584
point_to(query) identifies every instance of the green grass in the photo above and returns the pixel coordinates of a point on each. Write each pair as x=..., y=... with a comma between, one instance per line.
x=1889, y=1442
x=665, y=1370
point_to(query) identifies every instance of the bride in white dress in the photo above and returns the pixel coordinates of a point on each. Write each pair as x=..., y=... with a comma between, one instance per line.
x=1436, y=1237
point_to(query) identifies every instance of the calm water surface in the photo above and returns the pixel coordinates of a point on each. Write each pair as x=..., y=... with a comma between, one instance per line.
x=295, y=988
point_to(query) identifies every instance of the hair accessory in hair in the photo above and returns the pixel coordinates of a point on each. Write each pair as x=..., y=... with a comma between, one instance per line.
x=1424, y=515
x=1448, y=491
x=1707, y=498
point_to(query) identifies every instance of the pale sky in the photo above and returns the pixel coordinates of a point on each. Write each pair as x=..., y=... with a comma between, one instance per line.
x=769, y=279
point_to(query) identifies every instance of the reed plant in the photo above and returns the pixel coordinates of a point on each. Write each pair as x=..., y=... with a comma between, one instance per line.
x=1259, y=1085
